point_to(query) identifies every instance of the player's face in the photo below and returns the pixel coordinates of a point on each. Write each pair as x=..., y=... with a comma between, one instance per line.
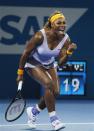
x=59, y=25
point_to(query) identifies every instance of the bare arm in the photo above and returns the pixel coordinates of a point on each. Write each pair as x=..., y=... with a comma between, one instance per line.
x=66, y=51
x=31, y=45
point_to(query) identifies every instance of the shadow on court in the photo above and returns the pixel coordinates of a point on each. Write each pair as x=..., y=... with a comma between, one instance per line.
x=35, y=130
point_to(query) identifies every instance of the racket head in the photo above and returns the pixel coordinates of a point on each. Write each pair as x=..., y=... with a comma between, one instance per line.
x=16, y=108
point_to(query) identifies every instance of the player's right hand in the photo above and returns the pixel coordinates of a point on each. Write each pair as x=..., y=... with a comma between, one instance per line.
x=19, y=78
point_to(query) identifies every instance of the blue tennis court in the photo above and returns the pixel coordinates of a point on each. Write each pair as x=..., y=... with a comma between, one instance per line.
x=78, y=115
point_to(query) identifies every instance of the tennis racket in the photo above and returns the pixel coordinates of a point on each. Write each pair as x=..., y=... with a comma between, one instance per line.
x=16, y=107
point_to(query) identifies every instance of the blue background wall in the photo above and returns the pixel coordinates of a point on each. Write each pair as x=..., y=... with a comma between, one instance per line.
x=82, y=32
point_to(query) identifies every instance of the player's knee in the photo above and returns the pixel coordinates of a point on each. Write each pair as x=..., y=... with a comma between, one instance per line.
x=56, y=89
x=56, y=93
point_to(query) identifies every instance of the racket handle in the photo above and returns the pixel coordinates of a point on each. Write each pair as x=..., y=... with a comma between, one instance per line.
x=20, y=85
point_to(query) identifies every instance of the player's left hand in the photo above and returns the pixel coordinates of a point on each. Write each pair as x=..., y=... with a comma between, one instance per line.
x=72, y=47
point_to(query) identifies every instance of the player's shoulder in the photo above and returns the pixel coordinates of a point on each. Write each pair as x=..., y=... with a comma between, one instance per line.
x=68, y=39
x=67, y=36
x=38, y=35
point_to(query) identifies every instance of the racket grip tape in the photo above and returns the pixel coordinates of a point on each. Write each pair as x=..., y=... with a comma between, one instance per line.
x=20, y=85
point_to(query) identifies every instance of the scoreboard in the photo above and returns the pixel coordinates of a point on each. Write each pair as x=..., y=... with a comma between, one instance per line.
x=72, y=78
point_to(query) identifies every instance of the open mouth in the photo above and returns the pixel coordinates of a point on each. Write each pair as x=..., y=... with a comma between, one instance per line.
x=61, y=28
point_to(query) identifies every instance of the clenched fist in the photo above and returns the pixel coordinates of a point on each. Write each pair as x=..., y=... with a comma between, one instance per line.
x=72, y=47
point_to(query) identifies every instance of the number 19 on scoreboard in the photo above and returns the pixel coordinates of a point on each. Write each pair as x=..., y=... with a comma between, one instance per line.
x=72, y=78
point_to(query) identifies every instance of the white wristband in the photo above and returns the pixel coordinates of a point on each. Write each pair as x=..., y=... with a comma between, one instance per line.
x=20, y=85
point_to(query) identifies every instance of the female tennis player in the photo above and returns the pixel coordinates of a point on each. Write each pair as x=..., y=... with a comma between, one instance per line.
x=38, y=58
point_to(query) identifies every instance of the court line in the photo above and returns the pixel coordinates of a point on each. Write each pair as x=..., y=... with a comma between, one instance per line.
x=45, y=124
